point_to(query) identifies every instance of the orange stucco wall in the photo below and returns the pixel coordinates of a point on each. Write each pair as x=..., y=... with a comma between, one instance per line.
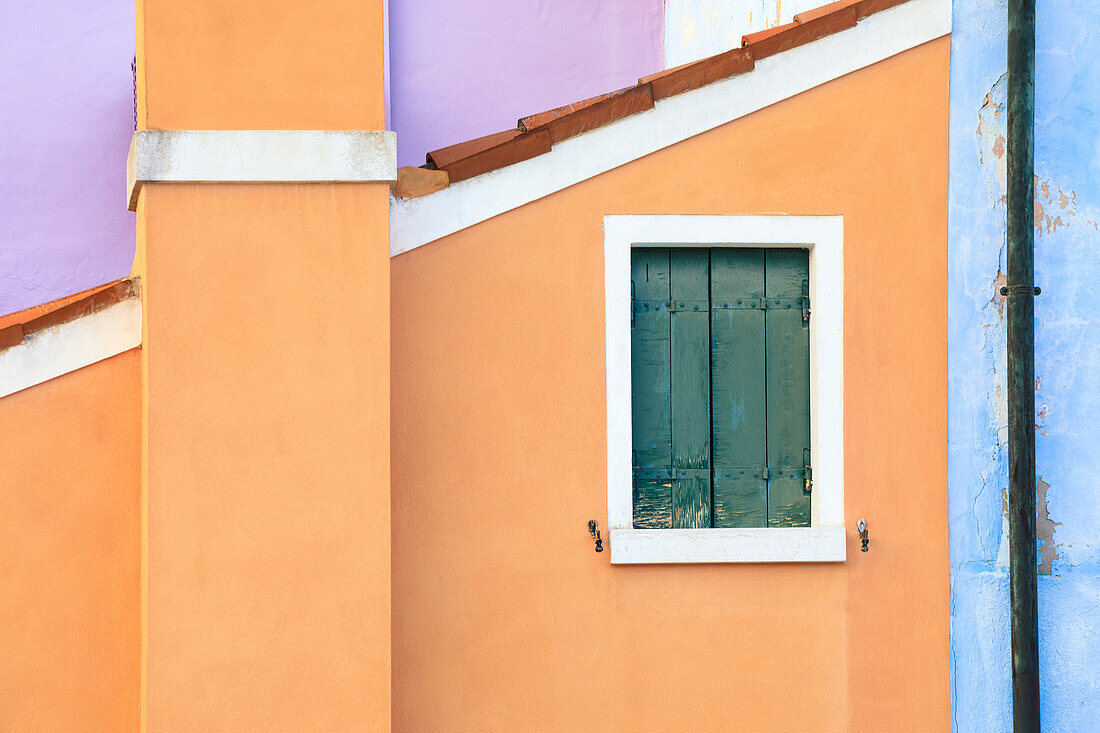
x=259, y=65
x=266, y=368
x=504, y=617
x=70, y=551
x=267, y=489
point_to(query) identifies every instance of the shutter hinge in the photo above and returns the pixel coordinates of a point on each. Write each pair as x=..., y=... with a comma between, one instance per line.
x=632, y=304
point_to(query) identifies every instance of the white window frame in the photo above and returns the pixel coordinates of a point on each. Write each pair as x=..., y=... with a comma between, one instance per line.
x=824, y=540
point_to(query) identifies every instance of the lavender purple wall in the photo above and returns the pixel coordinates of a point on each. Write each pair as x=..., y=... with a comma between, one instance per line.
x=467, y=68
x=458, y=70
x=66, y=114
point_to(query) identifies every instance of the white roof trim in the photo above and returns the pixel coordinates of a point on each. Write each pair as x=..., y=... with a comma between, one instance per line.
x=271, y=156
x=68, y=346
x=416, y=222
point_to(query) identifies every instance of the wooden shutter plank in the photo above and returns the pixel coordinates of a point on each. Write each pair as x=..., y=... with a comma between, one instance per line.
x=651, y=385
x=788, y=387
x=689, y=290
x=738, y=383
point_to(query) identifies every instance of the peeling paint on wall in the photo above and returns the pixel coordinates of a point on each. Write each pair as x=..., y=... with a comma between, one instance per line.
x=1044, y=526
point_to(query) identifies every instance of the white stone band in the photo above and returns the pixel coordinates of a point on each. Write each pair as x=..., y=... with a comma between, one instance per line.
x=272, y=156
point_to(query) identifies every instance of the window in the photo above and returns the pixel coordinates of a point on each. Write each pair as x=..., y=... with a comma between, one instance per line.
x=720, y=375
x=725, y=390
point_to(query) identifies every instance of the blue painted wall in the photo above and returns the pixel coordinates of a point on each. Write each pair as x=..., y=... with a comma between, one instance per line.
x=1067, y=365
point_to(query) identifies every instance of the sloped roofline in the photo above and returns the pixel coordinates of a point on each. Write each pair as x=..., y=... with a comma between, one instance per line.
x=55, y=338
x=788, y=63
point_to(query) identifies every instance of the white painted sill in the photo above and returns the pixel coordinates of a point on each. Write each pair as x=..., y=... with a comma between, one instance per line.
x=765, y=544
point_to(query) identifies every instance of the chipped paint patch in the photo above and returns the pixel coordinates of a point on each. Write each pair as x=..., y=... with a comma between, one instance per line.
x=1045, y=529
x=1053, y=210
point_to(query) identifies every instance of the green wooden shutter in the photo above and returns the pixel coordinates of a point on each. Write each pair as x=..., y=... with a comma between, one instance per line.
x=740, y=405
x=690, y=303
x=788, y=368
x=720, y=373
x=651, y=380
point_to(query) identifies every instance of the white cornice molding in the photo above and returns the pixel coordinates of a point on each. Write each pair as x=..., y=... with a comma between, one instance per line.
x=267, y=156
x=68, y=346
x=416, y=222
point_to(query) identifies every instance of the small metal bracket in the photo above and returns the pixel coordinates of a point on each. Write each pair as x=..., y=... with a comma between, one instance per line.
x=1021, y=290
x=861, y=527
x=595, y=532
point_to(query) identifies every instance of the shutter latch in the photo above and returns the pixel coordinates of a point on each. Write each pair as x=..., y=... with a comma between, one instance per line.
x=809, y=485
x=806, y=307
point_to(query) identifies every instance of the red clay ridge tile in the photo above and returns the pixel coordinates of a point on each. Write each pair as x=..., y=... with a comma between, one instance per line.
x=29, y=314
x=536, y=133
x=445, y=156
x=785, y=37
x=98, y=300
x=414, y=182
x=521, y=147
x=533, y=121
x=758, y=36
x=699, y=73
x=816, y=13
x=863, y=8
x=591, y=113
x=11, y=336
x=867, y=7
x=15, y=326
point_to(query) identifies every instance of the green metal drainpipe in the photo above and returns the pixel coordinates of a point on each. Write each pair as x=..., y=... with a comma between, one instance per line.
x=1020, y=293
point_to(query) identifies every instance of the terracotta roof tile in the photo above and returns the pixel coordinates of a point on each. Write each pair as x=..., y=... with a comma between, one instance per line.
x=532, y=121
x=11, y=336
x=785, y=37
x=535, y=134
x=575, y=119
x=15, y=326
x=816, y=13
x=520, y=147
x=443, y=157
x=699, y=73
x=873, y=6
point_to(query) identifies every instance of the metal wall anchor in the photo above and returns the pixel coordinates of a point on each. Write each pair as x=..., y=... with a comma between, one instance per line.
x=592, y=530
x=861, y=527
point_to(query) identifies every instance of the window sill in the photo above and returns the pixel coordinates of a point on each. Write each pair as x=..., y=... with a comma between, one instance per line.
x=774, y=544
